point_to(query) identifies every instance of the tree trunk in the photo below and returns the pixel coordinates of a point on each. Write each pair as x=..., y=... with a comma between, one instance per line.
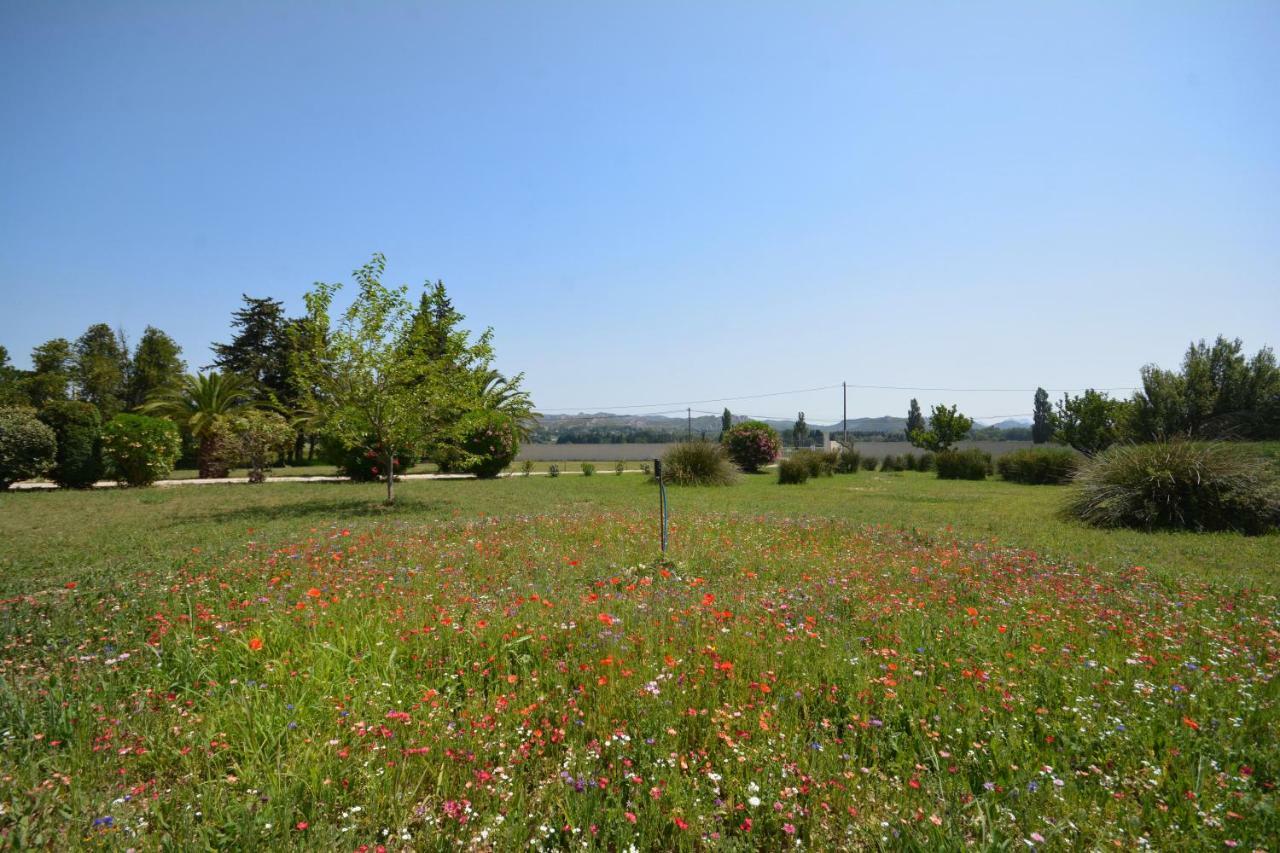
x=391, y=474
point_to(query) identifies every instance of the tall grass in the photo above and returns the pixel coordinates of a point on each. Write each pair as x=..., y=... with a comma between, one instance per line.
x=698, y=463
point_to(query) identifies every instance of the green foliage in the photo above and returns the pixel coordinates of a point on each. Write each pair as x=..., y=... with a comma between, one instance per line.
x=260, y=349
x=553, y=470
x=1091, y=422
x=589, y=470
x=915, y=418
x=78, y=428
x=793, y=471
x=646, y=469
x=203, y=405
x=848, y=461
x=13, y=383
x=1178, y=485
x=259, y=436
x=620, y=468
x=726, y=421
x=139, y=449
x=1039, y=466
x=526, y=467
x=1218, y=393
x=819, y=463
x=799, y=432
x=697, y=463
x=28, y=448
x=869, y=463
x=101, y=368
x=51, y=366
x=925, y=461
x=1041, y=418
x=970, y=464
x=751, y=445
x=890, y=462
x=157, y=364
x=946, y=427
x=488, y=441
x=366, y=462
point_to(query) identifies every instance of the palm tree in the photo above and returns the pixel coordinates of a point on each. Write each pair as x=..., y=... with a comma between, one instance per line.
x=202, y=403
x=500, y=394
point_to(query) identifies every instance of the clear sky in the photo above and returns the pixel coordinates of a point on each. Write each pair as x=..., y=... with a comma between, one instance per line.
x=656, y=202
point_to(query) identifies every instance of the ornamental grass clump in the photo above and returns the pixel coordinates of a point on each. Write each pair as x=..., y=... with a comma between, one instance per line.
x=1177, y=485
x=697, y=463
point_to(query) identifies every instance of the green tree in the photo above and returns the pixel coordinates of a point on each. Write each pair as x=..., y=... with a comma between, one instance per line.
x=726, y=421
x=1091, y=422
x=52, y=364
x=203, y=404
x=374, y=374
x=258, y=436
x=915, y=419
x=946, y=427
x=101, y=368
x=157, y=364
x=13, y=382
x=799, y=432
x=498, y=393
x=1041, y=418
x=259, y=349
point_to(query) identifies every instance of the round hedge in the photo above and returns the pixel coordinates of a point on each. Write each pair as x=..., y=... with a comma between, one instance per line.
x=751, y=445
x=139, y=449
x=78, y=427
x=28, y=448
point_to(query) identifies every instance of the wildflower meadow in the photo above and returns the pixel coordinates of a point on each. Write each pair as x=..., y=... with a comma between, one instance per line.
x=547, y=681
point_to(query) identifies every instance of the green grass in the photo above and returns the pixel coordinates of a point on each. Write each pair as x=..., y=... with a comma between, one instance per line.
x=869, y=660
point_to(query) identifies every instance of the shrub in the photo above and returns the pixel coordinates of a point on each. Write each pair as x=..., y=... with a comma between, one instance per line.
x=925, y=462
x=891, y=463
x=257, y=436
x=1178, y=485
x=1038, y=466
x=620, y=468
x=909, y=461
x=78, y=428
x=646, y=469
x=751, y=445
x=588, y=470
x=819, y=464
x=526, y=467
x=364, y=464
x=793, y=471
x=553, y=470
x=848, y=462
x=697, y=463
x=139, y=449
x=870, y=463
x=28, y=448
x=489, y=440
x=970, y=464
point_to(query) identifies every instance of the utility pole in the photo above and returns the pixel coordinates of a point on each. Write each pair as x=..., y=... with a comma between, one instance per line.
x=844, y=429
x=689, y=415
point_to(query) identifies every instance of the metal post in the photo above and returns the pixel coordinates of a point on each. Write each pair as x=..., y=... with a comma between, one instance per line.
x=662, y=501
x=689, y=415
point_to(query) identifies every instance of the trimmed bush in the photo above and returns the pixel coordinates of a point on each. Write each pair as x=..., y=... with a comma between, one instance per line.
x=848, y=462
x=870, y=463
x=1177, y=485
x=588, y=470
x=697, y=463
x=751, y=445
x=28, y=448
x=139, y=449
x=819, y=464
x=909, y=461
x=1039, y=466
x=891, y=463
x=926, y=461
x=793, y=471
x=78, y=427
x=364, y=464
x=963, y=464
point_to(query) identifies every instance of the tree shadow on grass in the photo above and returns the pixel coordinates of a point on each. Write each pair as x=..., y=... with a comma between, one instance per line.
x=318, y=509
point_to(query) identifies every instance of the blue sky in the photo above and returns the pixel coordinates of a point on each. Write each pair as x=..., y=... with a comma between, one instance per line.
x=654, y=203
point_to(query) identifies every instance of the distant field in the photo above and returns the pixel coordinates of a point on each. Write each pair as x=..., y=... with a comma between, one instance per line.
x=638, y=452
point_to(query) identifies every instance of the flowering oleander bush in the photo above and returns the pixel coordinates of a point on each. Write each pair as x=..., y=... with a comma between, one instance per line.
x=28, y=448
x=751, y=445
x=542, y=682
x=489, y=441
x=139, y=449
